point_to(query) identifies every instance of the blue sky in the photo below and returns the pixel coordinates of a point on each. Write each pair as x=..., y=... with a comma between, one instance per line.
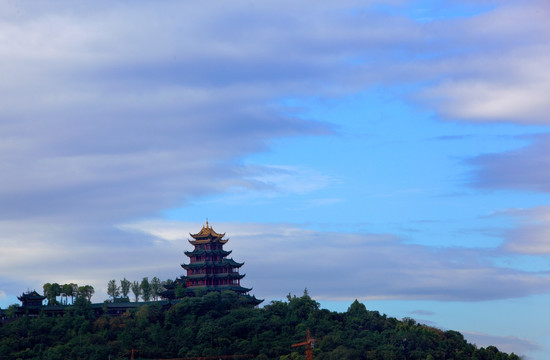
x=393, y=152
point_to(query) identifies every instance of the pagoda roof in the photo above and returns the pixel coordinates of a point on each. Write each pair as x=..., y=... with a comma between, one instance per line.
x=216, y=276
x=235, y=288
x=231, y=262
x=207, y=235
x=31, y=295
x=203, y=252
x=220, y=263
x=252, y=299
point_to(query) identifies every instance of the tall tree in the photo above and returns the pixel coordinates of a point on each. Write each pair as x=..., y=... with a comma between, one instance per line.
x=51, y=291
x=66, y=291
x=136, y=289
x=125, y=287
x=113, y=290
x=74, y=293
x=145, y=289
x=156, y=287
x=86, y=292
x=47, y=290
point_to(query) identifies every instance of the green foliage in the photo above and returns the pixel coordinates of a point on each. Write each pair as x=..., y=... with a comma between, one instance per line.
x=136, y=289
x=221, y=324
x=86, y=292
x=125, y=287
x=113, y=290
x=156, y=288
x=11, y=311
x=51, y=291
x=145, y=289
x=179, y=291
x=66, y=291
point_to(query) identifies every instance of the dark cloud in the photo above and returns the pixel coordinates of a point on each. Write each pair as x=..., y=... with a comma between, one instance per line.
x=527, y=168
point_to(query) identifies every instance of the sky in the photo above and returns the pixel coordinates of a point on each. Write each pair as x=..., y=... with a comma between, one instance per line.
x=394, y=152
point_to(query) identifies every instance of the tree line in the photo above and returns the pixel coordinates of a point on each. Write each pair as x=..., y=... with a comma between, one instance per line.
x=147, y=290
x=55, y=290
x=219, y=323
x=144, y=289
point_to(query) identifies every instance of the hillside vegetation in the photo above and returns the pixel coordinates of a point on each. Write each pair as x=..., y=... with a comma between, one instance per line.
x=219, y=324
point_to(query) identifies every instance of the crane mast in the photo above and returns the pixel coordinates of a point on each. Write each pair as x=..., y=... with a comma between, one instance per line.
x=309, y=343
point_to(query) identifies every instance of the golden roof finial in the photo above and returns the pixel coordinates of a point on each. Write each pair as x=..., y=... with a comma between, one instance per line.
x=207, y=223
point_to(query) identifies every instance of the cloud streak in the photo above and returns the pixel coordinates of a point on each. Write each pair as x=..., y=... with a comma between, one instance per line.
x=104, y=121
x=507, y=344
x=133, y=119
x=524, y=169
x=345, y=266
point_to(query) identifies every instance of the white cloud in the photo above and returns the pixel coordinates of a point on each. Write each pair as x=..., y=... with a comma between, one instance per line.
x=158, y=113
x=494, y=67
x=290, y=179
x=507, y=344
x=279, y=258
x=345, y=266
x=530, y=231
x=104, y=121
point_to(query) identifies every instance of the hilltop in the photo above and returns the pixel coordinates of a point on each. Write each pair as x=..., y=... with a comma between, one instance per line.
x=219, y=324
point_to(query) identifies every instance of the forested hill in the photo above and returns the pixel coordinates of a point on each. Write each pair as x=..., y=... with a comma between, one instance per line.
x=218, y=324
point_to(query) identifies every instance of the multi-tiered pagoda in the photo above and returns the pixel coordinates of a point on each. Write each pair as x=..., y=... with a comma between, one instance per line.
x=209, y=268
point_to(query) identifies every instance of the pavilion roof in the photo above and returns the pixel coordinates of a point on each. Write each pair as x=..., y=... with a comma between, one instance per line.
x=31, y=295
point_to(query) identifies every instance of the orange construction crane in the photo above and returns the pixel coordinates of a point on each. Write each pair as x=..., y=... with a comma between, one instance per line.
x=132, y=352
x=308, y=344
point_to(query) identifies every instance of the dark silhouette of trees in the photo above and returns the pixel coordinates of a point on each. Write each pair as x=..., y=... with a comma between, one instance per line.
x=156, y=288
x=221, y=323
x=51, y=292
x=145, y=289
x=113, y=290
x=136, y=290
x=69, y=290
x=125, y=287
x=86, y=292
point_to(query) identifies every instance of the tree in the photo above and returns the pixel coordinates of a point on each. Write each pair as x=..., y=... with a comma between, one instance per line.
x=112, y=289
x=180, y=291
x=68, y=290
x=86, y=292
x=136, y=289
x=156, y=287
x=125, y=287
x=47, y=290
x=145, y=289
x=12, y=311
x=220, y=323
x=51, y=291
x=74, y=293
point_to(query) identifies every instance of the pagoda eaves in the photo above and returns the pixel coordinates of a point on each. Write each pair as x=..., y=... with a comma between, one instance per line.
x=209, y=268
x=206, y=235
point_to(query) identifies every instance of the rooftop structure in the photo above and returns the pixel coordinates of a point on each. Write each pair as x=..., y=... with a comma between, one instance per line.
x=31, y=302
x=209, y=268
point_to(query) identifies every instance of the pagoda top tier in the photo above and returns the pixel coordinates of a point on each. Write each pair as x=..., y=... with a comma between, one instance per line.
x=207, y=235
